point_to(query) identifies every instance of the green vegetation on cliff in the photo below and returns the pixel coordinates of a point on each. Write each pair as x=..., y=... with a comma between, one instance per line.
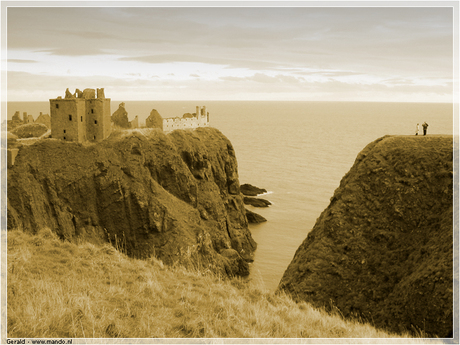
x=58, y=289
x=383, y=248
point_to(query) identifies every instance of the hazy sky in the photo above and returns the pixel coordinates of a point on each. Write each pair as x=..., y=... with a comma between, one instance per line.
x=232, y=53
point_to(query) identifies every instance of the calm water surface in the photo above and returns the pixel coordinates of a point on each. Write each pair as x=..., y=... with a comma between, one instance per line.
x=298, y=151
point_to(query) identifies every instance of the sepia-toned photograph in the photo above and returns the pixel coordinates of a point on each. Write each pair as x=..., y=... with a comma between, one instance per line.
x=229, y=172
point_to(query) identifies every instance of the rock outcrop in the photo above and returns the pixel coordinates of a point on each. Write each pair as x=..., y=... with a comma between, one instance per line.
x=256, y=202
x=175, y=196
x=254, y=217
x=120, y=117
x=250, y=190
x=383, y=249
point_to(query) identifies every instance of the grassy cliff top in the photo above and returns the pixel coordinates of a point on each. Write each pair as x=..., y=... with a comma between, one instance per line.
x=60, y=289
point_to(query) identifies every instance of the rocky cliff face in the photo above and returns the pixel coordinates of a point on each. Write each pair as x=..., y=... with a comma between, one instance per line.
x=383, y=249
x=173, y=196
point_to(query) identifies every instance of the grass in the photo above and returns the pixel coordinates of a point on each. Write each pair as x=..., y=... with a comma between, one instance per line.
x=65, y=290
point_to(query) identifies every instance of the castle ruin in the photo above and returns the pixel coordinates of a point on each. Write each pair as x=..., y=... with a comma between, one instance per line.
x=85, y=116
x=81, y=116
x=187, y=121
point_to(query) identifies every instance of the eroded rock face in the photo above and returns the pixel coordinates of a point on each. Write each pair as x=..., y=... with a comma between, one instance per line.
x=382, y=249
x=172, y=196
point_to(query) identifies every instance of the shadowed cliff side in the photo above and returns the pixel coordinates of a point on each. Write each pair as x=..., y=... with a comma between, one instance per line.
x=172, y=196
x=382, y=250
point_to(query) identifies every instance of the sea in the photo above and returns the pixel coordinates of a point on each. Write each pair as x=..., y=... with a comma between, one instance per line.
x=297, y=151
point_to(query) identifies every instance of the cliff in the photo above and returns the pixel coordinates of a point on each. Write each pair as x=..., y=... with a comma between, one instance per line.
x=383, y=248
x=175, y=196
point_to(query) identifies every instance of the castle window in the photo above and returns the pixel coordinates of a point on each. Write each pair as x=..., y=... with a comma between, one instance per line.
x=81, y=118
x=95, y=122
x=57, y=106
x=70, y=117
x=92, y=111
x=94, y=137
x=64, y=130
x=64, y=138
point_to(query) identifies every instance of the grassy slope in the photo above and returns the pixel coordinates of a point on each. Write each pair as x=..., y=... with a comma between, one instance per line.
x=59, y=289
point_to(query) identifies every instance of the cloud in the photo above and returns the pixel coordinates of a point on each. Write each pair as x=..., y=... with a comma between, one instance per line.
x=188, y=58
x=73, y=51
x=231, y=88
x=263, y=78
x=253, y=49
x=327, y=73
x=21, y=61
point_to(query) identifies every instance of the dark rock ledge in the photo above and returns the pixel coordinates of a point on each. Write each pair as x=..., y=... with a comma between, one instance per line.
x=250, y=190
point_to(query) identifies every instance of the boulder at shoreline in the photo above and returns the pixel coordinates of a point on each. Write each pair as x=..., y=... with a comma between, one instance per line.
x=250, y=190
x=254, y=218
x=256, y=202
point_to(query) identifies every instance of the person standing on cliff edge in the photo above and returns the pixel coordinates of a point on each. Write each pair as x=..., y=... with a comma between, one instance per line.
x=416, y=129
x=425, y=126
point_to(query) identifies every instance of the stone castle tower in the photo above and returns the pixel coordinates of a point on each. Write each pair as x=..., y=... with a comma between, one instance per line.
x=81, y=116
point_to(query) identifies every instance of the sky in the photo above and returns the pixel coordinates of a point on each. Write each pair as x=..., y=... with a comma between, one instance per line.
x=302, y=53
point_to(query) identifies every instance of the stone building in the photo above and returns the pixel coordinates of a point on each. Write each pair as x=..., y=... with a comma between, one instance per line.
x=120, y=117
x=134, y=123
x=27, y=118
x=154, y=120
x=45, y=119
x=81, y=116
x=187, y=121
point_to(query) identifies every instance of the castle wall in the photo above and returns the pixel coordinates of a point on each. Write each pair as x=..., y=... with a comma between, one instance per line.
x=44, y=119
x=98, y=115
x=134, y=123
x=106, y=117
x=201, y=119
x=68, y=119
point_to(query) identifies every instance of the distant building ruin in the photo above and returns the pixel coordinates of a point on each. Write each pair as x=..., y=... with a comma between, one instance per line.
x=120, y=117
x=45, y=119
x=81, y=116
x=188, y=121
x=134, y=123
x=17, y=121
x=27, y=118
